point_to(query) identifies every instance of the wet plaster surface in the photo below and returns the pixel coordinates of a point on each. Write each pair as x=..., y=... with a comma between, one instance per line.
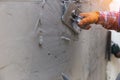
x=82, y=57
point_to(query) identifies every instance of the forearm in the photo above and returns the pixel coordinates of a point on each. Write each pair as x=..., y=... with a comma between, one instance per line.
x=109, y=20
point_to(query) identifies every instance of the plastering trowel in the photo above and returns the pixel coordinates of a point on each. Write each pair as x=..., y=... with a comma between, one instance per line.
x=71, y=16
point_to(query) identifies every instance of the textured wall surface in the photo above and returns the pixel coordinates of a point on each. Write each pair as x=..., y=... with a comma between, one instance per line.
x=22, y=23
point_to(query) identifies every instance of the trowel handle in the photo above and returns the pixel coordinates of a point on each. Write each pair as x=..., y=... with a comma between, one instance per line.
x=79, y=18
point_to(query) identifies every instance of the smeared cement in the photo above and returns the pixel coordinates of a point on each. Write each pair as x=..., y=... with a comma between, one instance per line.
x=21, y=57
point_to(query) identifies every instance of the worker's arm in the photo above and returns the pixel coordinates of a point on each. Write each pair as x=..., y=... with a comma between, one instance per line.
x=109, y=20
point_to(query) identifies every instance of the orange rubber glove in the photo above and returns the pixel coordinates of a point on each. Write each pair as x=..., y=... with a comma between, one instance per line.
x=88, y=18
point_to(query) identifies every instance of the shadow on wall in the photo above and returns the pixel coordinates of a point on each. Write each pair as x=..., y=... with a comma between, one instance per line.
x=118, y=77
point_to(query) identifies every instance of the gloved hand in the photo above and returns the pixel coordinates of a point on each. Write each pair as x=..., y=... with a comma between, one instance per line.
x=88, y=18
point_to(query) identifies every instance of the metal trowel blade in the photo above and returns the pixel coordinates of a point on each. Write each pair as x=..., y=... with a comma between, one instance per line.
x=66, y=18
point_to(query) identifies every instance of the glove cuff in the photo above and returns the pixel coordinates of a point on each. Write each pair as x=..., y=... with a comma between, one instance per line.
x=98, y=15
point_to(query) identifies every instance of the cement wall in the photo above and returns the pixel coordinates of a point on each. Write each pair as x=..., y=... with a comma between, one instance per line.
x=21, y=58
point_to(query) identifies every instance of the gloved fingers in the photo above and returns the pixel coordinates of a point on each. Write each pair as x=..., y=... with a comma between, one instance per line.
x=86, y=27
x=87, y=20
x=84, y=14
x=84, y=21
